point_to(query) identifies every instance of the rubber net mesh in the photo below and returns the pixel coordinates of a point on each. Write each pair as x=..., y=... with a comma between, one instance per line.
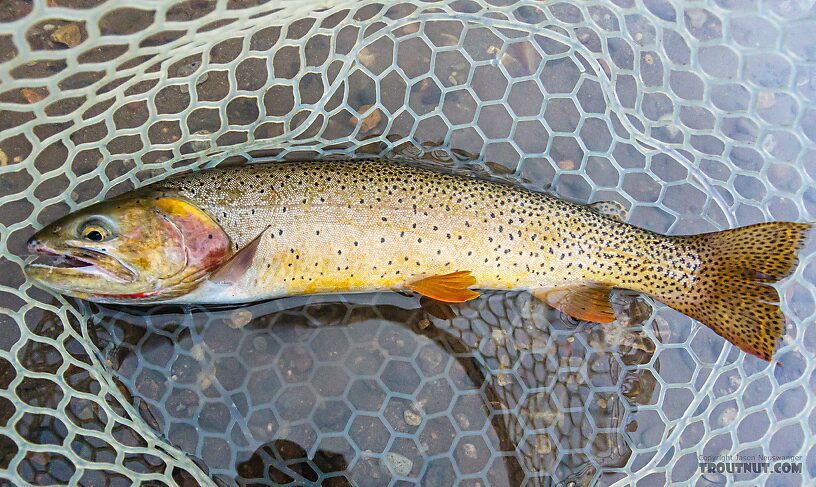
x=695, y=116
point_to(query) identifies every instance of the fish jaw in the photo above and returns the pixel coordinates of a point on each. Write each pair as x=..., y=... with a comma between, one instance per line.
x=64, y=273
x=73, y=263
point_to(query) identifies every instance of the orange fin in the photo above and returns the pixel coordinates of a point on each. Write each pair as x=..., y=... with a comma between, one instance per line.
x=735, y=296
x=435, y=308
x=232, y=270
x=587, y=302
x=448, y=288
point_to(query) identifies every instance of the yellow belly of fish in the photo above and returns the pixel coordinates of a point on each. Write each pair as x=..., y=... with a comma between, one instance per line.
x=345, y=250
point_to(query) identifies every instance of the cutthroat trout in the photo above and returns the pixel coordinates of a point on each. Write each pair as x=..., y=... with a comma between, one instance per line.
x=263, y=231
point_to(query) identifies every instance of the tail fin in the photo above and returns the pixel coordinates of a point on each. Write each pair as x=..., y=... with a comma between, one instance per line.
x=732, y=292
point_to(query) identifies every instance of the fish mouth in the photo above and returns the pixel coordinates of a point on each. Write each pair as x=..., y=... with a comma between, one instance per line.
x=81, y=261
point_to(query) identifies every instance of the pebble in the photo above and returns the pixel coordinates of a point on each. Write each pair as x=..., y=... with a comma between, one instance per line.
x=499, y=336
x=766, y=99
x=30, y=95
x=367, y=57
x=566, y=165
x=68, y=35
x=197, y=352
x=204, y=380
x=370, y=122
x=543, y=445
x=412, y=418
x=398, y=464
x=239, y=318
x=696, y=17
x=728, y=416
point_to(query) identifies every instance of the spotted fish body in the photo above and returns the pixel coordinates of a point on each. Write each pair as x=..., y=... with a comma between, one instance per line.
x=269, y=230
x=362, y=227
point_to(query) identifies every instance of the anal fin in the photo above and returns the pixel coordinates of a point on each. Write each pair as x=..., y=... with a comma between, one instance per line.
x=435, y=308
x=587, y=302
x=448, y=288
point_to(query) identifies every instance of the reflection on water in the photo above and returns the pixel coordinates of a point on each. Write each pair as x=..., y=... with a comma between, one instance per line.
x=366, y=388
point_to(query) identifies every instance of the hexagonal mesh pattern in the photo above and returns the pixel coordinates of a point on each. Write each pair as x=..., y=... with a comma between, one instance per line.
x=696, y=118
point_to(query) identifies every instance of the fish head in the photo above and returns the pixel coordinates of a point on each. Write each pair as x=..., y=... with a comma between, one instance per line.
x=138, y=249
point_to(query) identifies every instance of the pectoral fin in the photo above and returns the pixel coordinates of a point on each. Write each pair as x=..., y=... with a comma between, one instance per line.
x=587, y=302
x=230, y=271
x=448, y=288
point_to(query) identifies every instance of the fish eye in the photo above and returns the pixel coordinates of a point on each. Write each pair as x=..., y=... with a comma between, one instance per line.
x=95, y=233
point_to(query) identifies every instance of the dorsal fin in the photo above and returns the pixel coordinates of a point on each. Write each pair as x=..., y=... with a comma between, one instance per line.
x=587, y=302
x=610, y=209
x=237, y=265
x=448, y=288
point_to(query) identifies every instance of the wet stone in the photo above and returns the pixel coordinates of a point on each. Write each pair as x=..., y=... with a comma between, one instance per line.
x=69, y=35
x=412, y=418
x=398, y=464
